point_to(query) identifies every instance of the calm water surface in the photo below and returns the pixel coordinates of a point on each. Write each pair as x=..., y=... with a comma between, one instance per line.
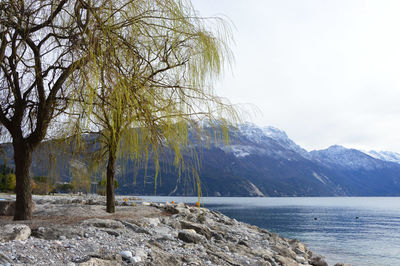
x=372, y=239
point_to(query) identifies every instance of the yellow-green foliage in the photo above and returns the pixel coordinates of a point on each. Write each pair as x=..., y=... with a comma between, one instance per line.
x=42, y=185
x=7, y=182
x=149, y=79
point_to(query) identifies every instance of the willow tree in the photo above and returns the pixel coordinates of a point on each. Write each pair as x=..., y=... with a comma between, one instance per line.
x=149, y=79
x=39, y=51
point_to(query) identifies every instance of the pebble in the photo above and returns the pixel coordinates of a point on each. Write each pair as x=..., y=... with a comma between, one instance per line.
x=126, y=254
x=136, y=259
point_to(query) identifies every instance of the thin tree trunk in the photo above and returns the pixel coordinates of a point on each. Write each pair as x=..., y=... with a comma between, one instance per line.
x=110, y=182
x=23, y=188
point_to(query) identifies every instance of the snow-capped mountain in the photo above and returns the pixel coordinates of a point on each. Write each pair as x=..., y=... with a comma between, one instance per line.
x=333, y=156
x=259, y=162
x=252, y=132
x=267, y=140
x=388, y=156
x=282, y=138
x=337, y=155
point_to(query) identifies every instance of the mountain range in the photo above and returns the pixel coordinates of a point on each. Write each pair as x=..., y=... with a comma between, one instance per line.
x=259, y=162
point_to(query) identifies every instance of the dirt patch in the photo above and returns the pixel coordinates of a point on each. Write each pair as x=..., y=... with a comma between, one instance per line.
x=48, y=214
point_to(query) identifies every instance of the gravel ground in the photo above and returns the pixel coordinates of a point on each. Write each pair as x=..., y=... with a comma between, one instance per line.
x=76, y=230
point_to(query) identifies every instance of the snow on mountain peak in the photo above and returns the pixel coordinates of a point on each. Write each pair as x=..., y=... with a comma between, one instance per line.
x=274, y=133
x=388, y=156
x=333, y=155
x=351, y=158
x=258, y=135
x=337, y=148
x=282, y=138
x=252, y=132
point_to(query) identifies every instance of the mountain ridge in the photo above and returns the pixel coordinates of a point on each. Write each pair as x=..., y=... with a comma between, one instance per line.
x=260, y=161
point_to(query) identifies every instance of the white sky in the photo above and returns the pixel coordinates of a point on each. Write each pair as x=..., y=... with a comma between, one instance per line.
x=326, y=72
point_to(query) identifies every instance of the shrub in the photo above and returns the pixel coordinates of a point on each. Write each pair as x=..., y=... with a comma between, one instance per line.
x=64, y=188
x=7, y=182
x=42, y=185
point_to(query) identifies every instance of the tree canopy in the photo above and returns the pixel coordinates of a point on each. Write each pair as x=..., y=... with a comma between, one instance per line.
x=111, y=66
x=150, y=77
x=41, y=47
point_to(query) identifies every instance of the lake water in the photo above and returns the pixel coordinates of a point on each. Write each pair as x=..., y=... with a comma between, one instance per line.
x=328, y=226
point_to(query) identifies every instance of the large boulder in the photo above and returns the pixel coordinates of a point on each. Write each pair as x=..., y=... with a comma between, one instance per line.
x=199, y=228
x=56, y=232
x=10, y=232
x=190, y=236
x=285, y=261
x=318, y=260
x=103, y=223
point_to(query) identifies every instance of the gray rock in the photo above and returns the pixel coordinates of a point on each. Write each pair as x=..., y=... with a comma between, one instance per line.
x=103, y=223
x=318, y=260
x=10, y=232
x=126, y=255
x=135, y=228
x=266, y=254
x=243, y=243
x=299, y=251
x=171, y=208
x=221, y=257
x=263, y=263
x=180, y=205
x=112, y=233
x=4, y=259
x=285, y=261
x=284, y=251
x=342, y=264
x=136, y=259
x=99, y=262
x=153, y=222
x=200, y=229
x=182, y=211
x=191, y=237
x=57, y=232
x=160, y=257
x=217, y=236
x=174, y=224
x=301, y=259
x=140, y=253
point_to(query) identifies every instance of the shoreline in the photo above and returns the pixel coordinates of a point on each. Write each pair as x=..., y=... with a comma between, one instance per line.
x=76, y=230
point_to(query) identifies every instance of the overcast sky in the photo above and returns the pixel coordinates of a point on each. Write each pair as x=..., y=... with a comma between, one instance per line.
x=326, y=72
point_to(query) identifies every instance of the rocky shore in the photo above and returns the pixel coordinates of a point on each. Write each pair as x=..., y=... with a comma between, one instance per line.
x=76, y=230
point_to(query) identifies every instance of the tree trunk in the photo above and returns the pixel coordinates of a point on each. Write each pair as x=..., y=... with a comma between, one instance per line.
x=23, y=188
x=110, y=182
